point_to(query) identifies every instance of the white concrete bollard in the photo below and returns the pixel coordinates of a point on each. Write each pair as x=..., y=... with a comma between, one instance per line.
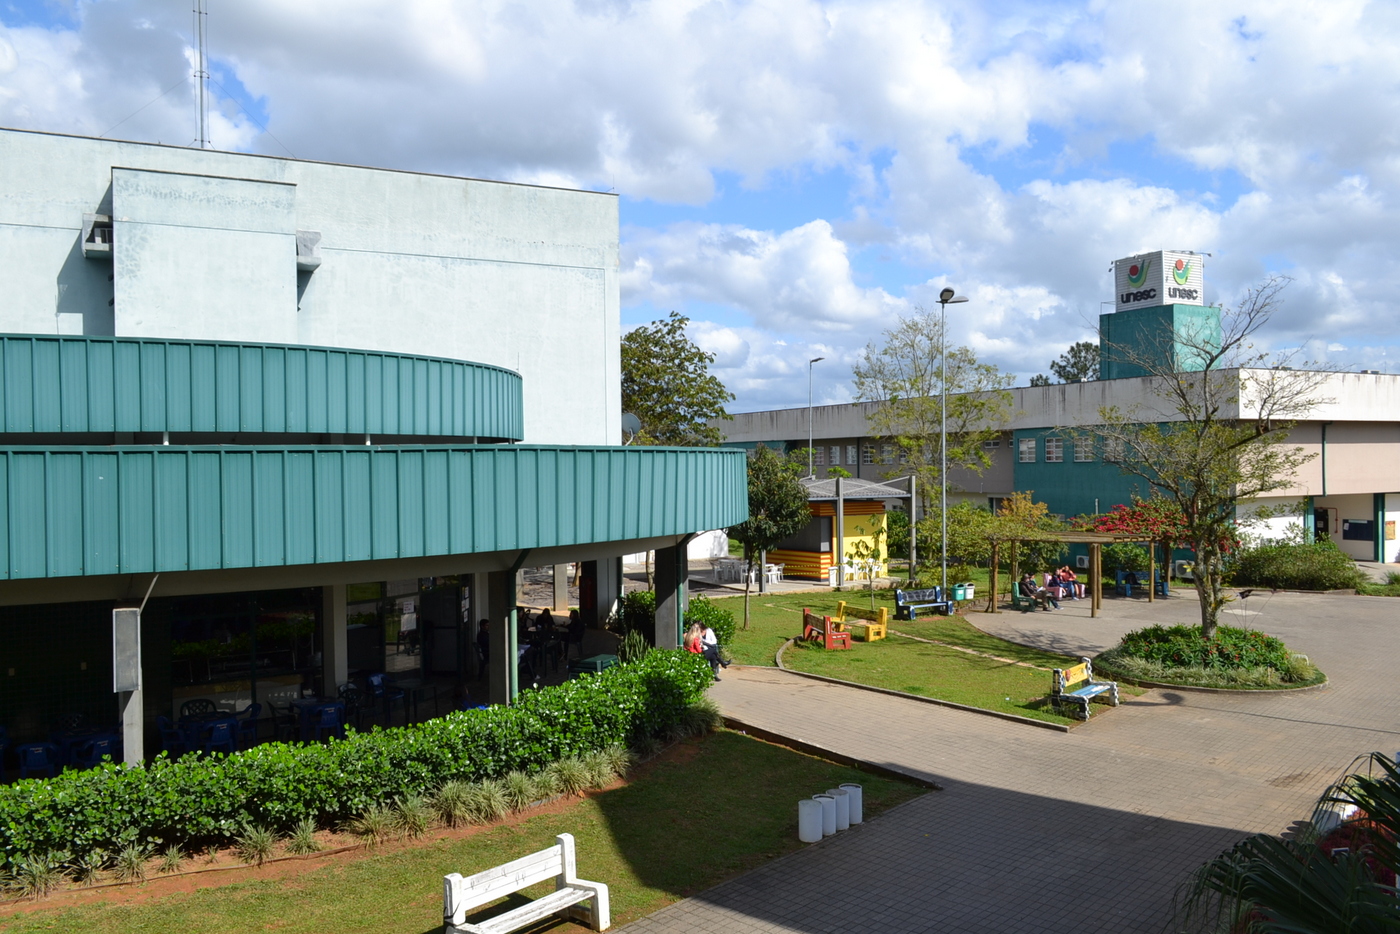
x=843, y=807
x=828, y=804
x=809, y=821
x=857, y=796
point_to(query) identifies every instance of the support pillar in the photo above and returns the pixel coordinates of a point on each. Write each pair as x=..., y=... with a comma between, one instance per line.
x=1095, y=579
x=599, y=588
x=126, y=681
x=561, y=588
x=335, y=658
x=672, y=575
x=1151, y=572
x=502, y=669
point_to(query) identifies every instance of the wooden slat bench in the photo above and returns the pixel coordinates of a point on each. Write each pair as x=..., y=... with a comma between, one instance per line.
x=874, y=622
x=824, y=631
x=1076, y=687
x=572, y=897
x=908, y=603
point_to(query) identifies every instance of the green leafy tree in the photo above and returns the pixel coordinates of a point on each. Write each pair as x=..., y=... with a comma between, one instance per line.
x=777, y=510
x=667, y=384
x=1040, y=379
x=904, y=374
x=1215, y=437
x=1081, y=361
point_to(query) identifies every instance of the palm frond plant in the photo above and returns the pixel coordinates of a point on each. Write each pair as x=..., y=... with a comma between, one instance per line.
x=1342, y=877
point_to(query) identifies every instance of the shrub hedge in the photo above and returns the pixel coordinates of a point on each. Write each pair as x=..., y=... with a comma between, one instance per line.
x=1184, y=647
x=198, y=801
x=1322, y=566
x=703, y=611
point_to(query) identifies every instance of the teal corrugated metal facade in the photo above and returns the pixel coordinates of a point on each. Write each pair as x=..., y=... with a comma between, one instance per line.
x=85, y=384
x=75, y=511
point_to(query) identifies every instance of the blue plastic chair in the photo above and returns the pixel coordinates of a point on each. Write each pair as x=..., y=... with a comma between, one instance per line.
x=172, y=738
x=387, y=695
x=38, y=757
x=90, y=754
x=328, y=718
x=222, y=736
x=248, y=725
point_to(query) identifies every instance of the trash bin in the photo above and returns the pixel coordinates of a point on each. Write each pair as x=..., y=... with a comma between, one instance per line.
x=959, y=591
x=970, y=589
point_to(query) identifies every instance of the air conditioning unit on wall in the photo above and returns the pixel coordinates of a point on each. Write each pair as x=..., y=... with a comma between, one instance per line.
x=1081, y=561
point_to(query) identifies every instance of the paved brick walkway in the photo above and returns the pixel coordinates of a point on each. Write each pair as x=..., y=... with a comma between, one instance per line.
x=1042, y=831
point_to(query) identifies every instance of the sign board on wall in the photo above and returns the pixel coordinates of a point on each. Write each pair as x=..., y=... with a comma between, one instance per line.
x=1164, y=277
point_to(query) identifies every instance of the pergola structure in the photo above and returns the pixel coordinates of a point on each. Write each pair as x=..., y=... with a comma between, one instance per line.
x=1095, y=541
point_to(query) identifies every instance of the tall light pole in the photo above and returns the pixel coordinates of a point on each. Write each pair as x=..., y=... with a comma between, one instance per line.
x=945, y=298
x=809, y=413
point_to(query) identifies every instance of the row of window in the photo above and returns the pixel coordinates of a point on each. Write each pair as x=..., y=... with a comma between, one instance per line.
x=1027, y=450
x=1055, y=450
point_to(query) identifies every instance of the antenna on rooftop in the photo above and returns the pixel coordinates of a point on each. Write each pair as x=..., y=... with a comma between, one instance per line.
x=201, y=74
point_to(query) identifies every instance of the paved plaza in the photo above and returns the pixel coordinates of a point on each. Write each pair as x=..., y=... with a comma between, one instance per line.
x=1037, y=830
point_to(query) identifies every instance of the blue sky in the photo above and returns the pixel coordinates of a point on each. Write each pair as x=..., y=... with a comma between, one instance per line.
x=794, y=175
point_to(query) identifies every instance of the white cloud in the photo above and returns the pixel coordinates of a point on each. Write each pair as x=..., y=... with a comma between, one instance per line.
x=1012, y=150
x=790, y=281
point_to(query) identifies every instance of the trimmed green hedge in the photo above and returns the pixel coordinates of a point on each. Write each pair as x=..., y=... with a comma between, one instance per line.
x=195, y=801
x=1321, y=566
x=1184, y=647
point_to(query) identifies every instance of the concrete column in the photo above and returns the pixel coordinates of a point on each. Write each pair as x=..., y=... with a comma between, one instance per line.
x=335, y=659
x=502, y=668
x=598, y=591
x=672, y=574
x=561, y=588
x=126, y=681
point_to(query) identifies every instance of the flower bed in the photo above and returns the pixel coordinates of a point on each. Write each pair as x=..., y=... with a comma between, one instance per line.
x=1234, y=658
x=197, y=801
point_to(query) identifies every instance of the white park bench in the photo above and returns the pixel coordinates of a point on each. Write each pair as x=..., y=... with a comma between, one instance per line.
x=461, y=895
x=1063, y=690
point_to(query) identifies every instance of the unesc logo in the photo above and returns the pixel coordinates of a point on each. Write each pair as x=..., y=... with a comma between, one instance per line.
x=1137, y=274
x=1181, y=272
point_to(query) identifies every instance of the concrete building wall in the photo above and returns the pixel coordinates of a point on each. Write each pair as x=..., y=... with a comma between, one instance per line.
x=517, y=276
x=1356, y=507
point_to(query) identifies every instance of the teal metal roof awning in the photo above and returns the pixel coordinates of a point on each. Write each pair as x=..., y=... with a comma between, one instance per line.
x=113, y=510
x=95, y=385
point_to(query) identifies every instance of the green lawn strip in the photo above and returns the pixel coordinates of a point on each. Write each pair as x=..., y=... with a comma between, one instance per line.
x=955, y=630
x=722, y=806
x=901, y=664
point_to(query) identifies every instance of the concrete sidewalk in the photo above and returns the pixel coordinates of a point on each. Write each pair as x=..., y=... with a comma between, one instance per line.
x=1041, y=831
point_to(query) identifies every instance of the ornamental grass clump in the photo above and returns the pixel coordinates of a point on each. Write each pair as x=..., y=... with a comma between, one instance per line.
x=302, y=841
x=519, y=790
x=453, y=803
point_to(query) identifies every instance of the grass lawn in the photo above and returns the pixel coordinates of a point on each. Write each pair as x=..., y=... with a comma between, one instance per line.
x=905, y=664
x=701, y=813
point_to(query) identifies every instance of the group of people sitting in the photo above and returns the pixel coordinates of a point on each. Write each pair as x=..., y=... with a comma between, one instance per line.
x=702, y=641
x=1061, y=584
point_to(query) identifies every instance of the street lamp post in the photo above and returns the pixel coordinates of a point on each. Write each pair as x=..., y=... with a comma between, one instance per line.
x=945, y=298
x=809, y=413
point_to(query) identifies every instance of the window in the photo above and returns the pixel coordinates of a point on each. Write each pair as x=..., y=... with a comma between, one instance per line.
x=887, y=453
x=1112, y=450
x=1054, y=450
x=851, y=455
x=995, y=503
x=992, y=443
x=1083, y=450
x=903, y=456
x=819, y=457
x=1027, y=448
x=867, y=454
